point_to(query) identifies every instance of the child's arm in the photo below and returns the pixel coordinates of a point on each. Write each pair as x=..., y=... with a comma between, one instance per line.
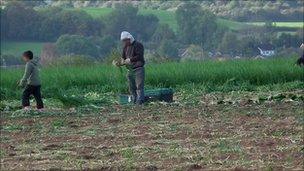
x=26, y=75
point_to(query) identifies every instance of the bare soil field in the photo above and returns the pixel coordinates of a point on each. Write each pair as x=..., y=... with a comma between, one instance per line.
x=158, y=136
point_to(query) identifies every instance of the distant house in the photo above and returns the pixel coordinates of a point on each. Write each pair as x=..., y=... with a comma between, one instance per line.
x=266, y=50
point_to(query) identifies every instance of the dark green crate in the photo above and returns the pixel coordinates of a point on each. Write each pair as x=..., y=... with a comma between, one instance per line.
x=161, y=94
x=125, y=99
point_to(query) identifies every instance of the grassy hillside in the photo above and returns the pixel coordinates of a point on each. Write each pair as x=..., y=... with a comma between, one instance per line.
x=168, y=17
x=16, y=48
x=233, y=25
x=96, y=12
x=282, y=24
x=163, y=15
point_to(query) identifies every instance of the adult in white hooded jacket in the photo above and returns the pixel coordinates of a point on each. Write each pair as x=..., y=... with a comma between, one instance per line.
x=133, y=58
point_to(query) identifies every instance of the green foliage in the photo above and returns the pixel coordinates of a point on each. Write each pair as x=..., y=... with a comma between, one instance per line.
x=3, y=24
x=126, y=17
x=212, y=74
x=289, y=51
x=115, y=54
x=248, y=46
x=96, y=47
x=162, y=32
x=168, y=48
x=98, y=12
x=287, y=40
x=59, y=123
x=73, y=60
x=164, y=16
x=156, y=58
x=193, y=53
x=196, y=26
x=75, y=22
x=102, y=26
x=12, y=127
x=69, y=22
x=229, y=44
x=19, y=22
x=75, y=44
x=104, y=44
x=76, y=97
x=232, y=25
x=168, y=17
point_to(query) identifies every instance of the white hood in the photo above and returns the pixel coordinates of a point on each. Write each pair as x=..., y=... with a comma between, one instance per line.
x=126, y=35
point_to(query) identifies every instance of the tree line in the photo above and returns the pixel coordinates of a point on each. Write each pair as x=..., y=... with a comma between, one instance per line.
x=258, y=10
x=77, y=32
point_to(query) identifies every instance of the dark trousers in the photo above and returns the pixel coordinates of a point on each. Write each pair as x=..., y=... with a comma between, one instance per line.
x=32, y=90
x=300, y=61
x=136, y=78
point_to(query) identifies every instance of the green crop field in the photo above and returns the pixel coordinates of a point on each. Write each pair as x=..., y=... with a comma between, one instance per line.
x=16, y=48
x=213, y=75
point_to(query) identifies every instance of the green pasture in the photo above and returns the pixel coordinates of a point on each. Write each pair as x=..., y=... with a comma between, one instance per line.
x=163, y=15
x=281, y=24
x=168, y=17
x=16, y=48
x=233, y=25
x=96, y=12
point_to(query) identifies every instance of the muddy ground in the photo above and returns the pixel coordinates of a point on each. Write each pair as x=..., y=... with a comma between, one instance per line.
x=157, y=137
